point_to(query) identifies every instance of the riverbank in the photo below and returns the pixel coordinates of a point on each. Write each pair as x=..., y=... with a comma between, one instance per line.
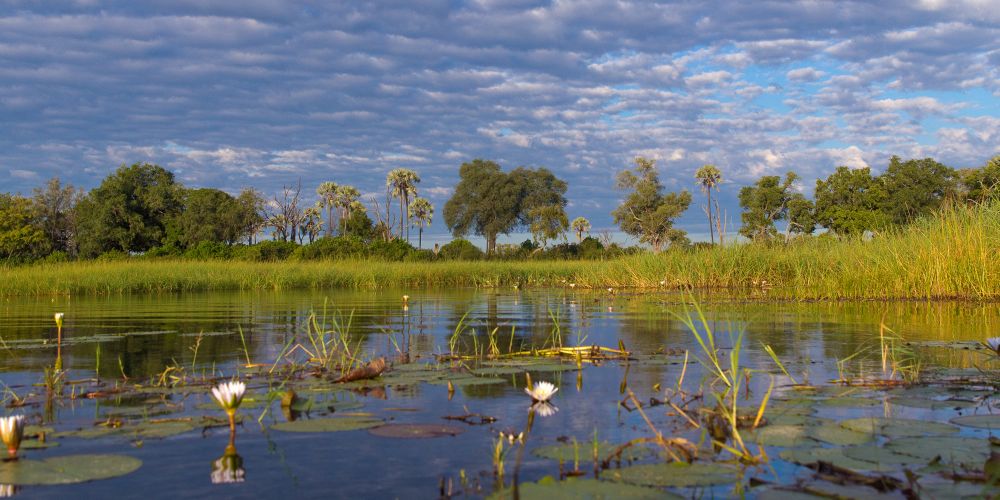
x=953, y=255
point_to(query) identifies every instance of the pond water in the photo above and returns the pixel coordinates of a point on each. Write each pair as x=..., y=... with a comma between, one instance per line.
x=146, y=363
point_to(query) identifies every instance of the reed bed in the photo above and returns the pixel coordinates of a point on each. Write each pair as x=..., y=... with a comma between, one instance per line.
x=952, y=255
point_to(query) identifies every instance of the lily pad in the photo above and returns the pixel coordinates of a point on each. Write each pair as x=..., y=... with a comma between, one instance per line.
x=849, y=402
x=412, y=431
x=839, y=435
x=335, y=424
x=567, y=453
x=491, y=371
x=806, y=456
x=897, y=427
x=971, y=452
x=141, y=430
x=548, y=488
x=465, y=381
x=674, y=474
x=880, y=455
x=978, y=421
x=34, y=444
x=786, y=436
x=67, y=470
x=933, y=404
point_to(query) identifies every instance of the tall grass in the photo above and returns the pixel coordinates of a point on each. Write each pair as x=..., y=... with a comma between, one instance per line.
x=952, y=255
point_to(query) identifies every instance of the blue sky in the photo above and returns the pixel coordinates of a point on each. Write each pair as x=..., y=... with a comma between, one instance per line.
x=263, y=93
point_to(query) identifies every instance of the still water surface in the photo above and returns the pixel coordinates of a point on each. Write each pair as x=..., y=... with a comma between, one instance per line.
x=138, y=337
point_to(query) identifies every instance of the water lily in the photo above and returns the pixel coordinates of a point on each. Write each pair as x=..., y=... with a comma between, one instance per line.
x=59, y=319
x=543, y=409
x=993, y=343
x=541, y=392
x=11, y=432
x=9, y=490
x=228, y=468
x=229, y=395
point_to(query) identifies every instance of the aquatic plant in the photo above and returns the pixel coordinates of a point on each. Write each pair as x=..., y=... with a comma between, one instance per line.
x=229, y=395
x=11, y=432
x=993, y=344
x=541, y=392
x=543, y=409
x=228, y=468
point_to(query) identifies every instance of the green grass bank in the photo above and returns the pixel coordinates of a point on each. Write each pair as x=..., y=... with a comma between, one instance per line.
x=953, y=255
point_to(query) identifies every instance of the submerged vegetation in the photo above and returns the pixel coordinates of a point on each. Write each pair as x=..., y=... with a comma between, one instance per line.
x=950, y=255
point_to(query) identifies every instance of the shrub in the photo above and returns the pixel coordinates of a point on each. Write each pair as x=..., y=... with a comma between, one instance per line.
x=460, y=249
x=206, y=250
x=395, y=250
x=266, y=251
x=339, y=247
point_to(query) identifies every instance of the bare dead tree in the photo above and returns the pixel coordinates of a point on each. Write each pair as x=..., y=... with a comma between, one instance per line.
x=287, y=216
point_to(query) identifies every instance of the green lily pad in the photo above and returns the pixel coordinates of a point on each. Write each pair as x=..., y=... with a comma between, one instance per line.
x=140, y=430
x=567, y=453
x=897, y=427
x=880, y=455
x=548, y=488
x=849, y=402
x=674, y=474
x=978, y=421
x=465, y=381
x=34, y=444
x=491, y=371
x=335, y=424
x=933, y=404
x=786, y=436
x=839, y=435
x=782, y=493
x=806, y=456
x=971, y=452
x=66, y=470
x=411, y=431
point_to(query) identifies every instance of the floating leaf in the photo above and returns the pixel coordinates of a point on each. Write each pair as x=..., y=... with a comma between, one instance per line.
x=335, y=424
x=787, y=436
x=585, y=450
x=140, y=430
x=415, y=430
x=970, y=452
x=897, y=427
x=491, y=371
x=673, y=474
x=933, y=404
x=880, y=455
x=66, y=470
x=849, y=402
x=34, y=444
x=464, y=381
x=978, y=421
x=806, y=456
x=839, y=435
x=548, y=488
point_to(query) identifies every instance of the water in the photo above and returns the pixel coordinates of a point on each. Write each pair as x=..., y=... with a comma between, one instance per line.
x=136, y=338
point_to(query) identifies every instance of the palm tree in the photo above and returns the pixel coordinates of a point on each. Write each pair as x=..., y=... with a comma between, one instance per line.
x=401, y=183
x=345, y=197
x=580, y=225
x=421, y=213
x=327, y=192
x=709, y=178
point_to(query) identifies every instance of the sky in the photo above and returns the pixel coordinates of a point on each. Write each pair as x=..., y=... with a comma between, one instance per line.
x=265, y=93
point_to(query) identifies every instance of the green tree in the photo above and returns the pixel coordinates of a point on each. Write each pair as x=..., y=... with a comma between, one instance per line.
x=548, y=222
x=849, y=202
x=207, y=215
x=128, y=211
x=421, y=214
x=647, y=213
x=54, y=205
x=327, y=192
x=251, y=217
x=916, y=188
x=21, y=240
x=402, y=184
x=344, y=199
x=580, y=225
x=983, y=184
x=358, y=223
x=709, y=177
x=489, y=202
x=771, y=200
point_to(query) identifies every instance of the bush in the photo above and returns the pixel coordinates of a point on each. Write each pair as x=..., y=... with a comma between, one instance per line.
x=266, y=251
x=339, y=247
x=460, y=249
x=111, y=256
x=207, y=250
x=591, y=248
x=395, y=250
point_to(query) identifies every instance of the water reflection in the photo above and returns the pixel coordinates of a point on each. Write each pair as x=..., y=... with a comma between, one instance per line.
x=229, y=467
x=9, y=490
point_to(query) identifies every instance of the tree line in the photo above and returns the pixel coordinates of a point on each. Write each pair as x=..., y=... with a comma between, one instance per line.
x=142, y=209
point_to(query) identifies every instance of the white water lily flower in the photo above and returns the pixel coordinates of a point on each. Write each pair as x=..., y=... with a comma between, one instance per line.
x=543, y=409
x=11, y=432
x=542, y=392
x=229, y=395
x=59, y=319
x=994, y=344
x=8, y=490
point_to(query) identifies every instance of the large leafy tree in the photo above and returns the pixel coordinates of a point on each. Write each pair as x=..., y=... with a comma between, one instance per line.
x=916, y=188
x=490, y=202
x=770, y=200
x=54, y=205
x=647, y=213
x=128, y=211
x=252, y=215
x=345, y=198
x=402, y=184
x=421, y=214
x=548, y=222
x=849, y=202
x=983, y=184
x=709, y=177
x=207, y=215
x=21, y=239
